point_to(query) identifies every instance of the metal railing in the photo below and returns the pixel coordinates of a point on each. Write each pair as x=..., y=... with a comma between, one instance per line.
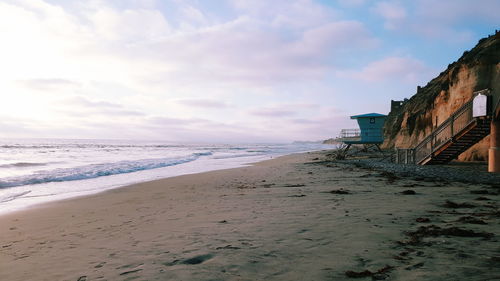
x=350, y=133
x=447, y=130
x=459, y=120
x=405, y=156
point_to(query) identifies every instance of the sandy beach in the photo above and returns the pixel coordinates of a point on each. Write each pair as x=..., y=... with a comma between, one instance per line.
x=297, y=217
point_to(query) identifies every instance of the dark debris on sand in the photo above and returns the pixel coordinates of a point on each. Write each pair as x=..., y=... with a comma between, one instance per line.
x=453, y=205
x=294, y=185
x=408, y=192
x=471, y=220
x=339, y=191
x=377, y=275
x=416, y=237
x=391, y=177
x=228, y=247
x=434, y=173
x=435, y=176
x=434, y=231
x=483, y=192
x=297, y=195
x=191, y=261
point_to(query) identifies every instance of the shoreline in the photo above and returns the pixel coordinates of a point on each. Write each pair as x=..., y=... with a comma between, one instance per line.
x=122, y=181
x=97, y=193
x=295, y=217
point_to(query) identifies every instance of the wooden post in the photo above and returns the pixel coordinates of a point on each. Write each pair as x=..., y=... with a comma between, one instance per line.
x=432, y=142
x=494, y=151
x=451, y=126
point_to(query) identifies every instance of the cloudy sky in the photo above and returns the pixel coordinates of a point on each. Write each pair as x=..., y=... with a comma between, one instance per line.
x=221, y=70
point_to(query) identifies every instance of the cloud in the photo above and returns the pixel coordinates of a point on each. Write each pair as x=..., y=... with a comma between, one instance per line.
x=129, y=26
x=352, y=3
x=335, y=36
x=448, y=20
x=203, y=103
x=18, y=127
x=451, y=19
x=246, y=51
x=272, y=112
x=394, y=13
x=80, y=106
x=284, y=110
x=457, y=11
x=285, y=13
x=177, y=69
x=135, y=46
x=201, y=130
x=192, y=16
x=322, y=127
x=174, y=122
x=86, y=103
x=49, y=84
x=397, y=69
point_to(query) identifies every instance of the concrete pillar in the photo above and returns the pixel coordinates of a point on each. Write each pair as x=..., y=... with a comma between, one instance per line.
x=494, y=151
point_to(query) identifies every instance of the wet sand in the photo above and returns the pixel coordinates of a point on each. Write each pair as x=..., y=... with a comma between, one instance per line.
x=297, y=217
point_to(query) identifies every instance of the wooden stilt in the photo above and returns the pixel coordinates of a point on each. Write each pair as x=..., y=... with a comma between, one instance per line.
x=494, y=151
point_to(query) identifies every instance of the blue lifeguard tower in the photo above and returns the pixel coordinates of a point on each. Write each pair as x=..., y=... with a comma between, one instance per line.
x=369, y=133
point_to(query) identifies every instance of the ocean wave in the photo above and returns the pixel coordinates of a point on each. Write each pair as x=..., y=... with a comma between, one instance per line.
x=87, y=145
x=97, y=170
x=237, y=155
x=21, y=165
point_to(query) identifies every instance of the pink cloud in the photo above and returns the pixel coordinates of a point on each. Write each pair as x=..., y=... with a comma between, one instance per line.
x=392, y=12
x=352, y=3
x=455, y=11
x=392, y=68
x=49, y=84
x=285, y=13
x=203, y=103
x=336, y=35
x=247, y=51
x=437, y=19
x=272, y=112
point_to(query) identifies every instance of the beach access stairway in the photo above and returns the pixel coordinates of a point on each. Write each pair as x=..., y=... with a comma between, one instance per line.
x=445, y=143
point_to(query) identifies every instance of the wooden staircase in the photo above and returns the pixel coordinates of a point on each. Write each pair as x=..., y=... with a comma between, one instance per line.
x=454, y=136
x=453, y=147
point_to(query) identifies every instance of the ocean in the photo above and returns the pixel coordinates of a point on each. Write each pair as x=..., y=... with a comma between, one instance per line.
x=34, y=171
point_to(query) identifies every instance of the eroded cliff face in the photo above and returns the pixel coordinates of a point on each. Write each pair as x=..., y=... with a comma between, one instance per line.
x=476, y=70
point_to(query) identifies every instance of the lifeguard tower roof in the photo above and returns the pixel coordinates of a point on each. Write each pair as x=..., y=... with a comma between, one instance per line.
x=368, y=115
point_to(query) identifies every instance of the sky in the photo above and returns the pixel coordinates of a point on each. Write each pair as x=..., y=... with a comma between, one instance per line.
x=223, y=71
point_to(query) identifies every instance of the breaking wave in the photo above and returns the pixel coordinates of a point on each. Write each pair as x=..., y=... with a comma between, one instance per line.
x=96, y=170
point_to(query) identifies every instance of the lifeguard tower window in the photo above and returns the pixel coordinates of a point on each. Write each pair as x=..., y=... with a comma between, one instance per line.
x=372, y=120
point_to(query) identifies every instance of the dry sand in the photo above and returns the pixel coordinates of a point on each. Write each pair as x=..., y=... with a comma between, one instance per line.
x=283, y=219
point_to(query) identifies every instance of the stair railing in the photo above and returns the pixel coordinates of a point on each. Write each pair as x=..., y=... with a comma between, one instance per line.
x=449, y=129
x=459, y=120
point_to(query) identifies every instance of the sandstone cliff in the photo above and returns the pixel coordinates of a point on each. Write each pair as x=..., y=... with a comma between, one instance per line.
x=477, y=69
